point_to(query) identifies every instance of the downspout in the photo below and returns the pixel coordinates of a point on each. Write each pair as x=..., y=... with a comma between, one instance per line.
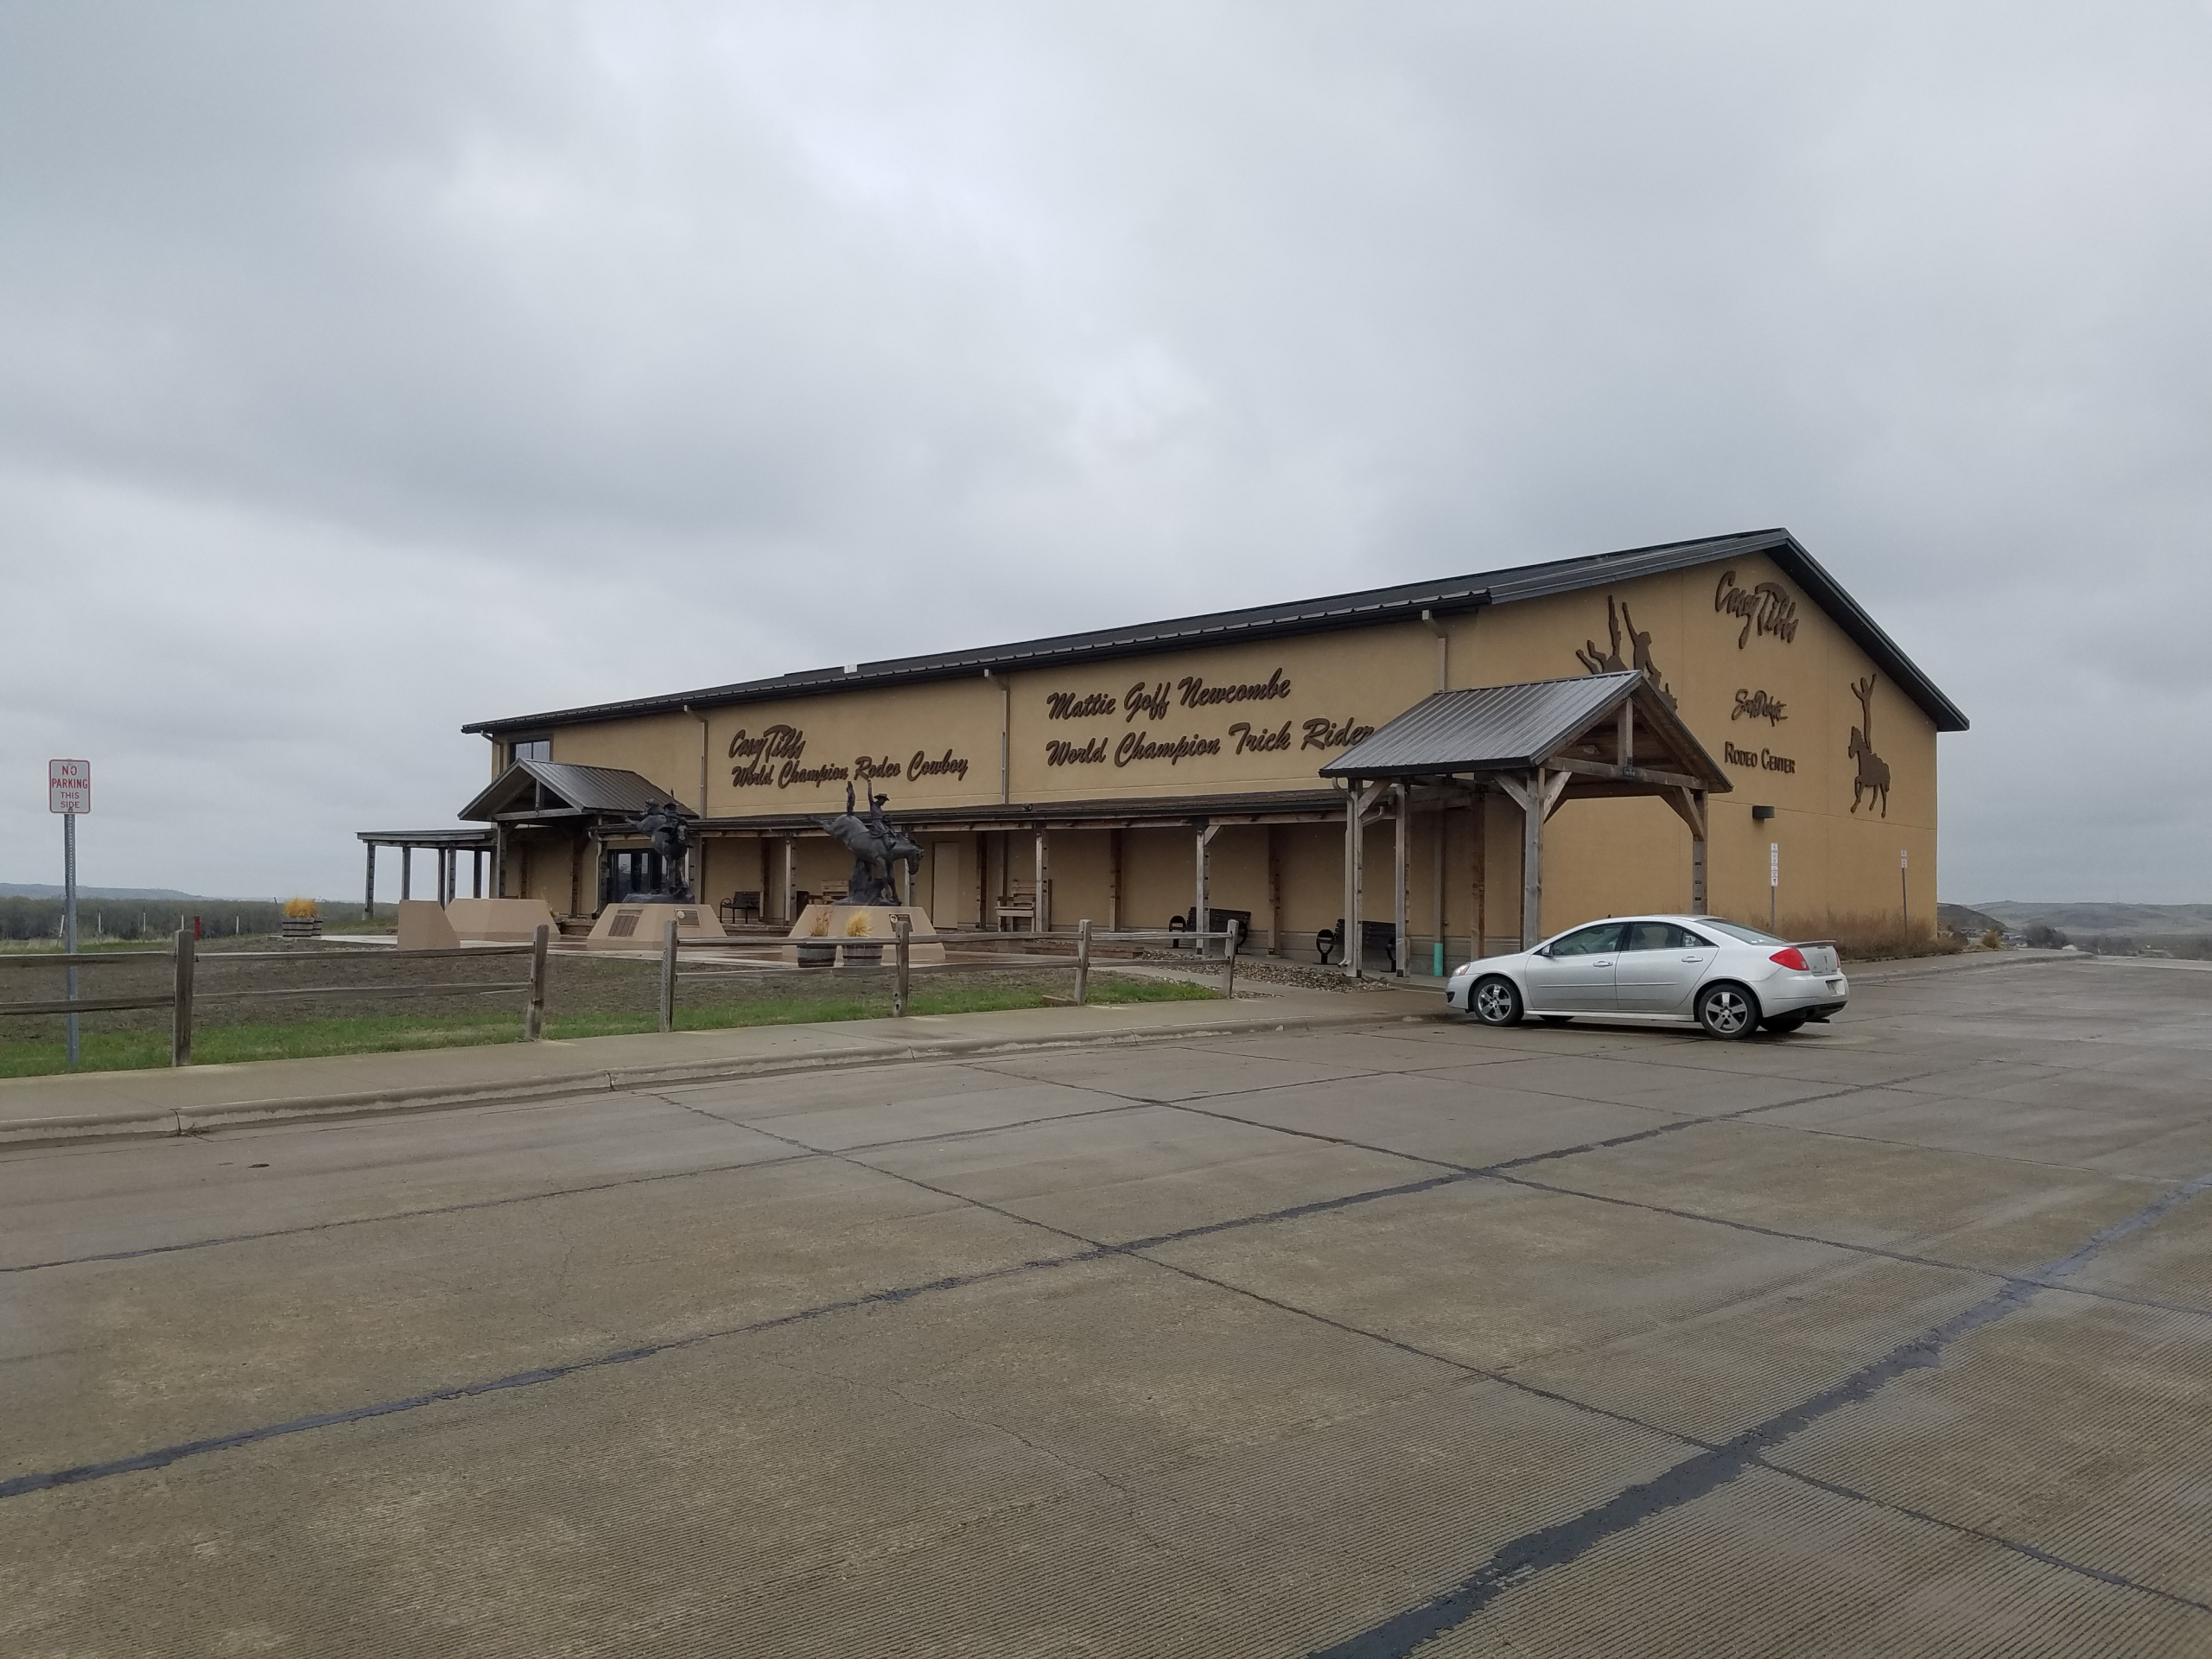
x=1006, y=736
x=1443, y=650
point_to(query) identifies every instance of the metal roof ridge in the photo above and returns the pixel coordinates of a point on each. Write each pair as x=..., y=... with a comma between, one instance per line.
x=1470, y=591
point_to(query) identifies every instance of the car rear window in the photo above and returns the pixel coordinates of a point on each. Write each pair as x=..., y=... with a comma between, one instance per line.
x=1738, y=930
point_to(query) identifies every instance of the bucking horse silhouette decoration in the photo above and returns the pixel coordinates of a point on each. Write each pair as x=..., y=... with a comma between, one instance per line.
x=875, y=847
x=1873, y=783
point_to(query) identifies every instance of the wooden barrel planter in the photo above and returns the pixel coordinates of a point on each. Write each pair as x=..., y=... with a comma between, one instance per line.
x=863, y=955
x=817, y=953
x=303, y=927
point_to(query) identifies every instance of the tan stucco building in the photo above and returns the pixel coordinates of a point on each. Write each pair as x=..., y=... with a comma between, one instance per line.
x=1105, y=775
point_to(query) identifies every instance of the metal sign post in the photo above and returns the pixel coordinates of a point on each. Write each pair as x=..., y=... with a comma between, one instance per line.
x=69, y=792
x=1904, y=893
x=1773, y=880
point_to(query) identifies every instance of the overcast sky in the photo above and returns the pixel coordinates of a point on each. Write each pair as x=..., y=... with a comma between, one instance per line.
x=367, y=370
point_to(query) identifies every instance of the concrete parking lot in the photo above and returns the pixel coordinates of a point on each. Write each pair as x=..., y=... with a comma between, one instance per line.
x=1886, y=1337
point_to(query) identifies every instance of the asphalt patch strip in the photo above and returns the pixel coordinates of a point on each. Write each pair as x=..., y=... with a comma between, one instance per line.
x=1536, y=1552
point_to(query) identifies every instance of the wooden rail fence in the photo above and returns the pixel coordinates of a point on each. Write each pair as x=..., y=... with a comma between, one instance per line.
x=901, y=959
x=184, y=993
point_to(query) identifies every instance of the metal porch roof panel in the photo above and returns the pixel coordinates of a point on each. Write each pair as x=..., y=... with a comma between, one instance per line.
x=587, y=789
x=1487, y=728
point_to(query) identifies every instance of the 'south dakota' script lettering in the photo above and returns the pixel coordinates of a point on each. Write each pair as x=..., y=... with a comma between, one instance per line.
x=1757, y=705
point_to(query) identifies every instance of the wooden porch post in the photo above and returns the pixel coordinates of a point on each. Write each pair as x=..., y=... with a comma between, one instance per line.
x=1205, y=835
x=406, y=871
x=790, y=880
x=1480, y=817
x=1040, y=914
x=1113, y=880
x=1532, y=853
x=1401, y=855
x=369, y=890
x=1442, y=834
x=1355, y=873
x=1274, y=893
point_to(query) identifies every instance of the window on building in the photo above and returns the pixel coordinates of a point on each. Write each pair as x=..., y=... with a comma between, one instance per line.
x=530, y=748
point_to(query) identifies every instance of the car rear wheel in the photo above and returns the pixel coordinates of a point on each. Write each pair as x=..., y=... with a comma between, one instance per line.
x=1496, y=1001
x=1727, y=1011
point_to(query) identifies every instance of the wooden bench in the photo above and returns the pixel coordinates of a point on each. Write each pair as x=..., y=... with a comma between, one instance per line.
x=1016, y=912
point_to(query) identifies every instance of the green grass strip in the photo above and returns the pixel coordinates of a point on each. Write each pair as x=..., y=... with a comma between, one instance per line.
x=127, y=1051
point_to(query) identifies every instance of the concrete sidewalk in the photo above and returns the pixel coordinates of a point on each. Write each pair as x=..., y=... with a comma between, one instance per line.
x=162, y=1100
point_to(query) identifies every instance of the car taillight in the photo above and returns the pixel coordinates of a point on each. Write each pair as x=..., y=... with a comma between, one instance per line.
x=1789, y=956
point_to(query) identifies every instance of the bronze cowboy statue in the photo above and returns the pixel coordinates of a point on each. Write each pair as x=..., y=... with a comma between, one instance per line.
x=663, y=824
x=875, y=847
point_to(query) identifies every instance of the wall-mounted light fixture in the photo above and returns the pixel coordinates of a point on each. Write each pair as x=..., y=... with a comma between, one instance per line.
x=1761, y=814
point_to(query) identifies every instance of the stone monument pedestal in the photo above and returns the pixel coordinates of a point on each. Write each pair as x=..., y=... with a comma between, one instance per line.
x=638, y=926
x=851, y=935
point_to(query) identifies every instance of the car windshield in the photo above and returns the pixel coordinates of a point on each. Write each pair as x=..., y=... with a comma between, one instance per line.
x=1738, y=930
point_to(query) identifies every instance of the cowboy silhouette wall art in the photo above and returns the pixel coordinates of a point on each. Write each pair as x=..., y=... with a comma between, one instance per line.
x=1611, y=662
x=1873, y=783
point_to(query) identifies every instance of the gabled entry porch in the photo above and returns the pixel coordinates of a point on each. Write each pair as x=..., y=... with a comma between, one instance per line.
x=1537, y=743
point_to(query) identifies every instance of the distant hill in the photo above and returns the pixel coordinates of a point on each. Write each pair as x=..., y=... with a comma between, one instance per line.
x=35, y=890
x=1965, y=921
x=2133, y=921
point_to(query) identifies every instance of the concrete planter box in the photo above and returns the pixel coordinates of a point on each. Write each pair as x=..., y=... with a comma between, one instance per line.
x=303, y=927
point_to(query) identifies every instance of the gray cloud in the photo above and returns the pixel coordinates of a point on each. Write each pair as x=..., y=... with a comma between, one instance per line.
x=361, y=369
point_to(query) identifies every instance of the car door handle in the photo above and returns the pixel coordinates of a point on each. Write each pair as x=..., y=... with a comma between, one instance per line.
x=1693, y=958
x=1606, y=964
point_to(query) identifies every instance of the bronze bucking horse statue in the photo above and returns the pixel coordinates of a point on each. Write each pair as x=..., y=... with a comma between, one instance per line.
x=875, y=847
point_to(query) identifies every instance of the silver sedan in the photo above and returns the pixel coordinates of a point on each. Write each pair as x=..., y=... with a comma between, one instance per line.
x=1730, y=979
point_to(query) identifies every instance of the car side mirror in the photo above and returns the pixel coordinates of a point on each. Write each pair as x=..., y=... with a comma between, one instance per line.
x=1541, y=950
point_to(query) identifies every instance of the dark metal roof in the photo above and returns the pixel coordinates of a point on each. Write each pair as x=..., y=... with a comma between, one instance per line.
x=1404, y=603
x=583, y=789
x=1511, y=728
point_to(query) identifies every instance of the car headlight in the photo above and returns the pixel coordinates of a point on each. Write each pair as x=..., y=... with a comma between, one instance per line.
x=1463, y=967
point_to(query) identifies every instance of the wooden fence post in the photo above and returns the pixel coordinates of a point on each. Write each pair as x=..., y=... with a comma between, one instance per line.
x=668, y=977
x=1083, y=962
x=902, y=956
x=533, y=1017
x=180, y=1014
x=1228, y=960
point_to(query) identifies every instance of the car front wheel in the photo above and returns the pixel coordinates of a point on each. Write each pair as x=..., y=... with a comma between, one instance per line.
x=1728, y=1012
x=1496, y=1002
